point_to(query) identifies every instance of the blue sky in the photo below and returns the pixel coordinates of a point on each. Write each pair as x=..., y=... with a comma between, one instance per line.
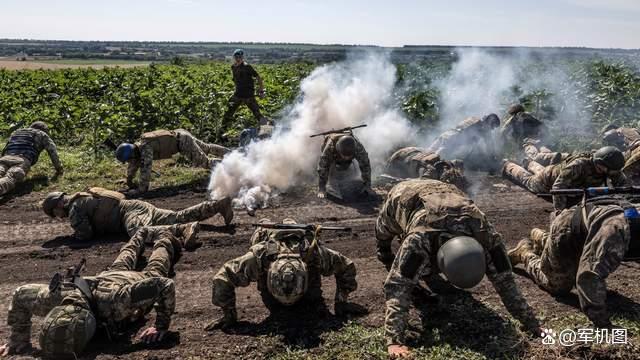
x=592, y=23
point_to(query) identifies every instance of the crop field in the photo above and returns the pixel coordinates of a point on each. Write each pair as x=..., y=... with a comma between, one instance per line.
x=89, y=105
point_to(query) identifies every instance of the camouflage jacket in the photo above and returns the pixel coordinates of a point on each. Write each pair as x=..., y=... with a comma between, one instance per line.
x=155, y=145
x=254, y=266
x=424, y=214
x=330, y=158
x=412, y=162
x=29, y=143
x=580, y=173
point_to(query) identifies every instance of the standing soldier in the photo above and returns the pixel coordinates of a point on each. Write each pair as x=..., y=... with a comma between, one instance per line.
x=471, y=141
x=22, y=152
x=334, y=166
x=440, y=230
x=101, y=211
x=577, y=171
x=113, y=299
x=287, y=264
x=243, y=78
x=585, y=244
x=163, y=144
x=413, y=162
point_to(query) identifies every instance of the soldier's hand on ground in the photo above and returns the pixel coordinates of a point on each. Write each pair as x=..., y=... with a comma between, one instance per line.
x=152, y=335
x=322, y=195
x=8, y=349
x=398, y=351
x=345, y=308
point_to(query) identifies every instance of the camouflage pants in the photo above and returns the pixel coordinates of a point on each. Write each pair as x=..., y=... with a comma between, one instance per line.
x=345, y=184
x=198, y=151
x=559, y=268
x=13, y=170
x=161, y=259
x=137, y=214
x=532, y=182
x=542, y=156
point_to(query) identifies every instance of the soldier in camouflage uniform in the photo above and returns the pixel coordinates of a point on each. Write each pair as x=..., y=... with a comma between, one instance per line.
x=425, y=215
x=338, y=152
x=620, y=137
x=22, y=152
x=576, y=172
x=287, y=265
x=413, y=162
x=521, y=125
x=112, y=299
x=470, y=141
x=163, y=144
x=584, y=245
x=100, y=211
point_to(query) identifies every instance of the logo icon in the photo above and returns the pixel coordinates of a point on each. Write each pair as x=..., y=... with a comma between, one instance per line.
x=548, y=336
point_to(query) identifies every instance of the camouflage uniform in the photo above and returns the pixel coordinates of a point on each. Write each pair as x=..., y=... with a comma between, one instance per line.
x=470, y=142
x=330, y=161
x=162, y=144
x=621, y=138
x=22, y=152
x=243, y=78
x=543, y=155
x=523, y=125
x=424, y=214
x=92, y=214
x=582, y=254
x=577, y=171
x=632, y=164
x=254, y=266
x=119, y=295
x=413, y=162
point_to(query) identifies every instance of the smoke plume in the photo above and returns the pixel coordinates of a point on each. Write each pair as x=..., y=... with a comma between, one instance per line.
x=356, y=91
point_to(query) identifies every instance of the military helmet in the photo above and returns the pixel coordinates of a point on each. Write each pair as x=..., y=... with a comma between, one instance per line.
x=609, y=127
x=492, y=120
x=66, y=331
x=346, y=146
x=610, y=157
x=51, y=201
x=287, y=279
x=613, y=138
x=124, y=152
x=39, y=125
x=514, y=109
x=238, y=52
x=462, y=260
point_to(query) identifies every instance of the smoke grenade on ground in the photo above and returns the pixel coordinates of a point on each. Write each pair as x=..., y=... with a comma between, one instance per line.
x=356, y=91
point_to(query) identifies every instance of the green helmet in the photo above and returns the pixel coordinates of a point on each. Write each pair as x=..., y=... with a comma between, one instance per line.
x=462, y=260
x=287, y=279
x=613, y=138
x=610, y=157
x=346, y=146
x=66, y=331
x=51, y=201
x=39, y=125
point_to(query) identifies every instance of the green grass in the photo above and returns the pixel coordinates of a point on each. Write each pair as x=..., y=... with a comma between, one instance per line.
x=83, y=170
x=94, y=62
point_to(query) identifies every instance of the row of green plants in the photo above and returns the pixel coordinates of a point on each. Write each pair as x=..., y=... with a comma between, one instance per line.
x=88, y=106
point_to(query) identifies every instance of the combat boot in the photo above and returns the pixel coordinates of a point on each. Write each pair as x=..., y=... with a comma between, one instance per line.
x=226, y=209
x=538, y=240
x=187, y=235
x=518, y=254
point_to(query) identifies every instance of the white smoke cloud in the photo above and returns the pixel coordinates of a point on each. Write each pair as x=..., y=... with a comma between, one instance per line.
x=356, y=91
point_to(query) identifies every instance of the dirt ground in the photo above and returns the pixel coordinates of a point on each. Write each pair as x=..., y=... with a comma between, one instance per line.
x=33, y=247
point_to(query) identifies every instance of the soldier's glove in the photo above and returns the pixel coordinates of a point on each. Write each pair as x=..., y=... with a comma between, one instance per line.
x=229, y=319
x=344, y=309
x=386, y=257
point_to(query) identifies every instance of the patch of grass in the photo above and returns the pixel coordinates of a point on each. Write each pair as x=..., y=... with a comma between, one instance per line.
x=94, y=62
x=83, y=170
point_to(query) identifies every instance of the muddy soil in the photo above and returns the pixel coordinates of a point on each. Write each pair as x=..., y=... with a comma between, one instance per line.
x=33, y=247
